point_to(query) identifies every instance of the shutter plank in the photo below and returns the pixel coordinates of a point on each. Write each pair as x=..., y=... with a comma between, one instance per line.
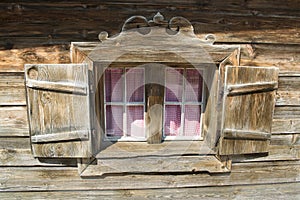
x=62, y=136
x=245, y=134
x=59, y=109
x=251, y=87
x=58, y=86
x=248, y=108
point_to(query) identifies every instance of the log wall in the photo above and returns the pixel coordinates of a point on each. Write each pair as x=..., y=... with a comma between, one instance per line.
x=30, y=32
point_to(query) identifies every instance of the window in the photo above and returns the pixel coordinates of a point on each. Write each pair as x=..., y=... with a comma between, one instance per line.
x=183, y=103
x=75, y=110
x=124, y=101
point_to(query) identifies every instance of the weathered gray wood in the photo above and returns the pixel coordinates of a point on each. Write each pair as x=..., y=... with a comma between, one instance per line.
x=59, y=112
x=15, y=143
x=13, y=121
x=263, y=191
x=24, y=157
x=62, y=136
x=57, y=86
x=153, y=164
x=154, y=122
x=249, y=113
x=12, y=89
x=245, y=134
x=14, y=59
x=167, y=148
x=251, y=87
x=285, y=126
x=27, y=179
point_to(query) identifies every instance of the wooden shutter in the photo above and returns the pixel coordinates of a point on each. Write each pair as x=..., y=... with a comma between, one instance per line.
x=59, y=110
x=247, y=110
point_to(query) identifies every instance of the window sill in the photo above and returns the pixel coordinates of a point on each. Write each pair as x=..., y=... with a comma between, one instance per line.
x=178, y=157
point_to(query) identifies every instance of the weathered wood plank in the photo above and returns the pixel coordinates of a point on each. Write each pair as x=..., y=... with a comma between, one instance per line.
x=13, y=121
x=285, y=112
x=264, y=191
x=13, y=60
x=228, y=27
x=27, y=179
x=288, y=98
x=12, y=89
x=285, y=57
x=142, y=149
x=24, y=157
x=153, y=164
x=285, y=126
x=14, y=143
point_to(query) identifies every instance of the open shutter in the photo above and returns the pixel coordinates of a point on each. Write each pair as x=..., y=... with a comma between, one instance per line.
x=59, y=110
x=247, y=111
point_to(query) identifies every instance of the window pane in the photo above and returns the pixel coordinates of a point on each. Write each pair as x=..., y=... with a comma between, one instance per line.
x=135, y=121
x=114, y=85
x=114, y=120
x=135, y=85
x=193, y=86
x=172, y=120
x=174, y=84
x=192, y=120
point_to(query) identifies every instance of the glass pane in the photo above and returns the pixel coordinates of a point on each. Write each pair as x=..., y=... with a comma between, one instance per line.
x=192, y=120
x=114, y=85
x=135, y=121
x=135, y=85
x=193, y=86
x=172, y=120
x=174, y=85
x=114, y=120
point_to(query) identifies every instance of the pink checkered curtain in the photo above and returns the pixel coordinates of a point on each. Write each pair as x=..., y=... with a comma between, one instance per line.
x=114, y=85
x=135, y=85
x=174, y=85
x=172, y=120
x=192, y=120
x=114, y=120
x=135, y=121
x=193, y=86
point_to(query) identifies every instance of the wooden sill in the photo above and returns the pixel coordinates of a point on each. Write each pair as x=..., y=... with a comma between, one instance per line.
x=168, y=157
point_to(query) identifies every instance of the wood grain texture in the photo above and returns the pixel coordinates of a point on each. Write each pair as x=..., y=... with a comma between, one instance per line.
x=13, y=121
x=12, y=89
x=59, y=108
x=28, y=179
x=152, y=164
x=263, y=191
x=248, y=113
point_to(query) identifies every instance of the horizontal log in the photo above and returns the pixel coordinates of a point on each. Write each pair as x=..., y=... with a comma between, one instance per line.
x=14, y=143
x=241, y=134
x=61, y=136
x=229, y=25
x=285, y=126
x=283, y=56
x=13, y=121
x=251, y=88
x=288, y=98
x=12, y=89
x=70, y=87
x=264, y=191
x=13, y=60
x=284, y=112
x=24, y=157
x=27, y=179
